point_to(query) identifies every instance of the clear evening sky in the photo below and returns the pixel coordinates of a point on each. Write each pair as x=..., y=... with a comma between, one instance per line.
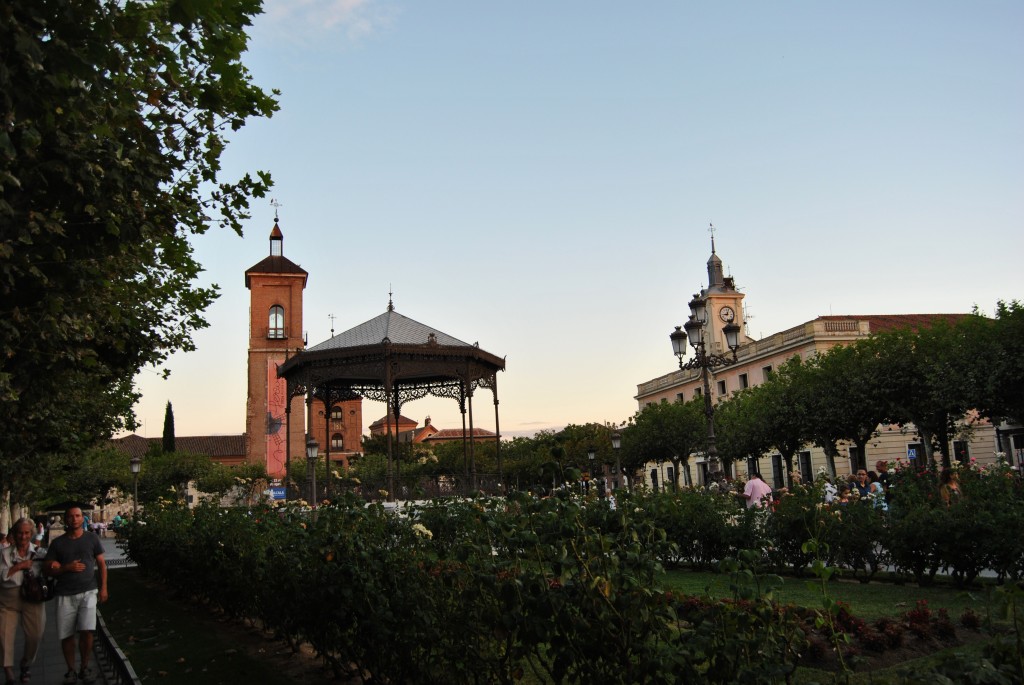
x=538, y=177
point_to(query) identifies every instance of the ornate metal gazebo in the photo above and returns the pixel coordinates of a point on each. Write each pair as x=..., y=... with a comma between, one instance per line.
x=393, y=359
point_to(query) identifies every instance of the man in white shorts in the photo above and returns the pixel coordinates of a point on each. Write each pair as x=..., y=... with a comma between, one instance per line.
x=73, y=559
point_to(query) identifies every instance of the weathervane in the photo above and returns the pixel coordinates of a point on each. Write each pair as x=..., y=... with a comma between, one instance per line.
x=275, y=204
x=711, y=230
x=391, y=304
x=331, y=317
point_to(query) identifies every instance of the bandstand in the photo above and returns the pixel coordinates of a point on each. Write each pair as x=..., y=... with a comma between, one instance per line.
x=394, y=359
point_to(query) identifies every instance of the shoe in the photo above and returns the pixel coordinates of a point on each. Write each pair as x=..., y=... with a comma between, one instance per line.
x=70, y=678
x=87, y=675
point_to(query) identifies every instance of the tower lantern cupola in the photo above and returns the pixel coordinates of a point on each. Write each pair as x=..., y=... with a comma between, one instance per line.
x=276, y=242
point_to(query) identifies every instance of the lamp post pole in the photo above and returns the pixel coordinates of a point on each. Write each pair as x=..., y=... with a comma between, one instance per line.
x=706, y=362
x=135, y=464
x=590, y=457
x=616, y=444
x=312, y=448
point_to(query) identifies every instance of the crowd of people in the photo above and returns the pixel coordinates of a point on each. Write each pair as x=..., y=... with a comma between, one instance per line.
x=865, y=486
x=75, y=562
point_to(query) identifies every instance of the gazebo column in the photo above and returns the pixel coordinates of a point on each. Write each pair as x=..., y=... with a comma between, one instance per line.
x=472, y=452
x=287, y=447
x=310, y=467
x=328, y=406
x=497, y=431
x=388, y=383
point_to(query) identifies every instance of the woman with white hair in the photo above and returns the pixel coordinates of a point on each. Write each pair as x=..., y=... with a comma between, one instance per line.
x=15, y=562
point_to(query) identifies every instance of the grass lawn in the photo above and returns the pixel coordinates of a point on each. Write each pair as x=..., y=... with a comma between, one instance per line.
x=169, y=642
x=869, y=601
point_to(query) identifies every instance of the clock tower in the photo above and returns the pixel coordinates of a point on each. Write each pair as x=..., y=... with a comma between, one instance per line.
x=275, y=331
x=724, y=305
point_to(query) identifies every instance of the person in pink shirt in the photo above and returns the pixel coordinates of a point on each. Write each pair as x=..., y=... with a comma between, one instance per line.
x=756, y=490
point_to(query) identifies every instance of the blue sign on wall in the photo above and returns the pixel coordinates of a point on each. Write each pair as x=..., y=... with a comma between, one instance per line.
x=911, y=453
x=278, y=493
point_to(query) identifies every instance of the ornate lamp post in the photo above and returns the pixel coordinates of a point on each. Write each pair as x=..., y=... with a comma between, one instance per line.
x=135, y=464
x=705, y=361
x=590, y=458
x=312, y=449
x=616, y=445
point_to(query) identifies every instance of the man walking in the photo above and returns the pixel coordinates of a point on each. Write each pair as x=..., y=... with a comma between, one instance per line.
x=73, y=559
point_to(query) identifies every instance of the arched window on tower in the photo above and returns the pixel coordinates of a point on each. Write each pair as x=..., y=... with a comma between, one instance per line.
x=336, y=413
x=275, y=329
x=337, y=442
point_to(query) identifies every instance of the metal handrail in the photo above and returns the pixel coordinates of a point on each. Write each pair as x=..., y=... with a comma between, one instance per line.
x=109, y=657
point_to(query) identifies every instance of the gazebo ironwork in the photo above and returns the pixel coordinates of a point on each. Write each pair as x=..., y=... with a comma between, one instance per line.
x=394, y=359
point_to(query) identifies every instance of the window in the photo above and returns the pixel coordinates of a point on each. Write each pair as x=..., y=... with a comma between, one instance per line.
x=915, y=450
x=654, y=479
x=721, y=388
x=337, y=442
x=806, y=475
x=752, y=466
x=698, y=392
x=670, y=477
x=778, y=473
x=858, y=460
x=664, y=400
x=744, y=384
x=275, y=330
x=336, y=413
x=766, y=371
x=961, y=452
x=680, y=398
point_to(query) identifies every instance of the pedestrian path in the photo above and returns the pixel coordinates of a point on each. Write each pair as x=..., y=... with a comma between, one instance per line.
x=49, y=668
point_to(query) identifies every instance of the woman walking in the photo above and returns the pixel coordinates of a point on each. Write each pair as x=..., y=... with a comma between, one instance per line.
x=14, y=562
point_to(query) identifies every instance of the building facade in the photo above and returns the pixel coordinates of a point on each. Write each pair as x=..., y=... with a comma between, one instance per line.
x=757, y=359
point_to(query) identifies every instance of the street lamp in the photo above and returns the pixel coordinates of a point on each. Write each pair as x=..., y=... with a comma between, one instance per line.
x=616, y=445
x=135, y=464
x=705, y=361
x=590, y=458
x=312, y=448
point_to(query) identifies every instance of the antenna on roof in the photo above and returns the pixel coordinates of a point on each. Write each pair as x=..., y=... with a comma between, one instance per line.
x=275, y=204
x=391, y=304
x=331, y=317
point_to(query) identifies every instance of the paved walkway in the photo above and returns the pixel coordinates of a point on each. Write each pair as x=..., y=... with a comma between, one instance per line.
x=49, y=668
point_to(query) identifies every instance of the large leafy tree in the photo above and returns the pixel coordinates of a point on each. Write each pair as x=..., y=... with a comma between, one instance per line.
x=925, y=373
x=780, y=408
x=995, y=363
x=847, y=393
x=665, y=431
x=113, y=118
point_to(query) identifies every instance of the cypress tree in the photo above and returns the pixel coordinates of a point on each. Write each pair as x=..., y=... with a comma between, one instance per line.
x=168, y=428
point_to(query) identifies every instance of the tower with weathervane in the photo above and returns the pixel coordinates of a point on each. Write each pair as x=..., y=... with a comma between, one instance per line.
x=275, y=331
x=724, y=305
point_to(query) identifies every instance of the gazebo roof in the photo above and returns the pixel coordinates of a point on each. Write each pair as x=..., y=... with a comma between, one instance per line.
x=400, y=330
x=358, y=358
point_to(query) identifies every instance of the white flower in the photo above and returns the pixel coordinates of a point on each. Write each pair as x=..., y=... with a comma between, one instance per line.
x=422, y=531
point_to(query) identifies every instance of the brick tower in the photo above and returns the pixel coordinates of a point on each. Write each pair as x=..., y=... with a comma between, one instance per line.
x=275, y=330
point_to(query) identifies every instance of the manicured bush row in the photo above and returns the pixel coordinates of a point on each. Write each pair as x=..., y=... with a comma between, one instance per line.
x=918, y=536
x=466, y=591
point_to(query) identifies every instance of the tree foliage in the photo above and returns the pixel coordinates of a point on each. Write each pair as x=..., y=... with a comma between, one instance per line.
x=665, y=431
x=168, y=437
x=113, y=119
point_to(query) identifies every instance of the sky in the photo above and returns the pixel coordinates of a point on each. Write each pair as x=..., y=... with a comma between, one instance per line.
x=539, y=177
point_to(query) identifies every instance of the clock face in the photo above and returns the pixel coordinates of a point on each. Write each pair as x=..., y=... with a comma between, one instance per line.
x=727, y=314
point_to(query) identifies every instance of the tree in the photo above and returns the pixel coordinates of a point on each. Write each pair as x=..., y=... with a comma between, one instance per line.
x=665, y=431
x=168, y=441
x=847, y=392
x=924, y=371
x=115, y=115
x=995, y=363
x=780, y=407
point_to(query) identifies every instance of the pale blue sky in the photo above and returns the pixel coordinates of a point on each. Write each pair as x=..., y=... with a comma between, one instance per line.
x=539, y=177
